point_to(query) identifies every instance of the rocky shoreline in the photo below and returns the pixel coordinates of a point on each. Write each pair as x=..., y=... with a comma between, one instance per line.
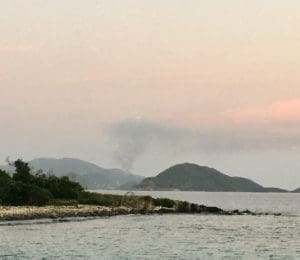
x=10, y=213
x=55, y=212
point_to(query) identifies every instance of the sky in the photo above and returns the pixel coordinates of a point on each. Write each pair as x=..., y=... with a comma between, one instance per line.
x=142, y=85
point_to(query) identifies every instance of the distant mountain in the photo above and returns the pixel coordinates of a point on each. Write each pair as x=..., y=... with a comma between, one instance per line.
x=296, y=190
x=89, y=175
x=193, y=177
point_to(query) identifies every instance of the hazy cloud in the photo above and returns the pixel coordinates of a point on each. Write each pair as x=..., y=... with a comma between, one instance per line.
x=132, y=138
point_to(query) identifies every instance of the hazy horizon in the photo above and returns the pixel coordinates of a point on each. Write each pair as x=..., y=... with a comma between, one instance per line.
x=142, y=85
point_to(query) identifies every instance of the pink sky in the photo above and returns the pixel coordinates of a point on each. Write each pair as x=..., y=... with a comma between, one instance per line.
x=279, y=112
x=70, y=69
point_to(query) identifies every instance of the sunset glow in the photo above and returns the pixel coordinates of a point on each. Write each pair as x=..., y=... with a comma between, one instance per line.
x=72, y=70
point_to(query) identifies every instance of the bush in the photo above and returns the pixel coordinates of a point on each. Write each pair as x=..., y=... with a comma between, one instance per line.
x=18, y=193
x=163, y=202
x=184, y=206
x=63, y=188
x=5, y=184
x=100, y=199
x=38, y=196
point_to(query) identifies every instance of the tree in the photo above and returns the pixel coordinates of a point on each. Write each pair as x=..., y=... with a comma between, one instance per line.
x=27, y=189
x=22, y=171
x=5, y=182
x=19, y=193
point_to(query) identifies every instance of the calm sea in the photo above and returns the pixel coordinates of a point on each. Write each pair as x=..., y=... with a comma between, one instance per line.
x=166, y=236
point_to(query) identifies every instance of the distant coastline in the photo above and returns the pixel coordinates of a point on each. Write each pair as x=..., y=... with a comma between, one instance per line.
x=184, y=177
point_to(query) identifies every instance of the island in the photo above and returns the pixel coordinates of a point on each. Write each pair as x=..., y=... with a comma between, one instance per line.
x=193, y=177
x=24, y=195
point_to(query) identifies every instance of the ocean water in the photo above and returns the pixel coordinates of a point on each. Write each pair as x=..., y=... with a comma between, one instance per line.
x=178, y=236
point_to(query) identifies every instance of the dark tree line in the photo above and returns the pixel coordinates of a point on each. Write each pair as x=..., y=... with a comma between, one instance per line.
x=25, y=188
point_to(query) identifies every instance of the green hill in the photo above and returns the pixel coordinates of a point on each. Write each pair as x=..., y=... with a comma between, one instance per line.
x=192, y=177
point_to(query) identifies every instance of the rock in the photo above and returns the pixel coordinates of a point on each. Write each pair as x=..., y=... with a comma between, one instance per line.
x=25, y=212
x=246, y=211
x=183, y=207
x=195, y=208
x=214, y=210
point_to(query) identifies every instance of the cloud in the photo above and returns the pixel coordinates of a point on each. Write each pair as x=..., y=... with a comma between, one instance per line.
x=134, y=137
x=131, y=138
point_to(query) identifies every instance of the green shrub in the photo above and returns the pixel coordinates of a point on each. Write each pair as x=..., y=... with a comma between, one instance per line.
x=99, y=199
x=19, y=193
x=5, y=181
x=163, y=202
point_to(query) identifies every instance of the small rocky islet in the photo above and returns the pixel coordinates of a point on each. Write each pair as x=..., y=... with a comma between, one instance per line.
x=10, y=213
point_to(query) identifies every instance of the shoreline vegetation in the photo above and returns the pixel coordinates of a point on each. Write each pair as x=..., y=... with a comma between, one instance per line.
x=25, y=196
